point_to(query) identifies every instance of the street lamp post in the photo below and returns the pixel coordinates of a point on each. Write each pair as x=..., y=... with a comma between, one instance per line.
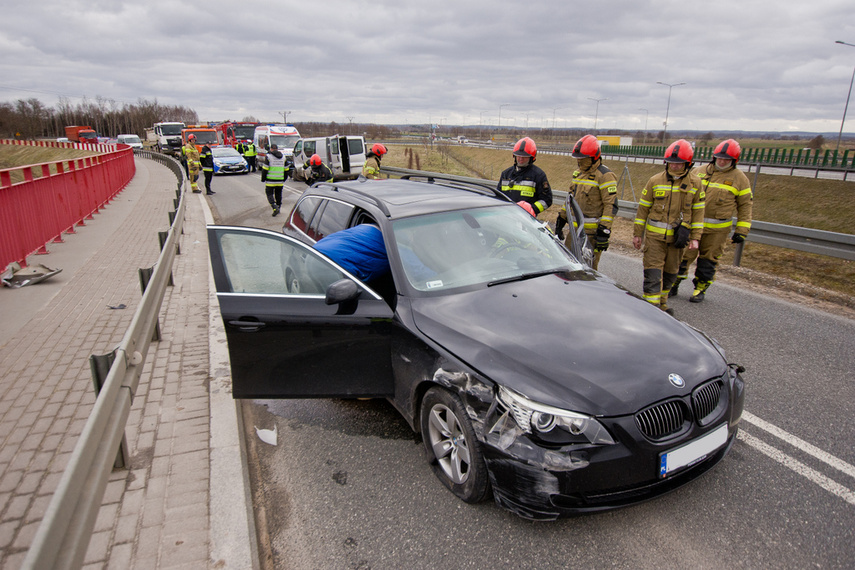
x=646, y=114
x=597, y=112
x=285, y=116
x=668, y=108
x=846, y=107
x=500, y=114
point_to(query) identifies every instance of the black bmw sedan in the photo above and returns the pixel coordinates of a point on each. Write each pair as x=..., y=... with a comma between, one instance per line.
x=530, y=377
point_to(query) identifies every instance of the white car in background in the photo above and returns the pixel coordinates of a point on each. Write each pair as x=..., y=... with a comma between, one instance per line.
x=132, y=141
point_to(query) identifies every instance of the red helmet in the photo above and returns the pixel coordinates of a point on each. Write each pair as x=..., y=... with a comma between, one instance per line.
x=191, y=137
x=379, y=149
x=728, y=149
x=587, y=147
x=680, y=151
x=315, y=160
x=525, y=147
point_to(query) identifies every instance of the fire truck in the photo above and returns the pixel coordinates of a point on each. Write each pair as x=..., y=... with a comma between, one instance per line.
x=234, y=132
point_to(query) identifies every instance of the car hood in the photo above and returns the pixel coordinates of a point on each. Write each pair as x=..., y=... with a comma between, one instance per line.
x=230, y=159
x=572, y=340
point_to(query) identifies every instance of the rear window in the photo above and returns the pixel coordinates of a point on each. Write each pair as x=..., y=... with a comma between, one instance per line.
x=354, y=146
x=334, y=218
x=303, y=213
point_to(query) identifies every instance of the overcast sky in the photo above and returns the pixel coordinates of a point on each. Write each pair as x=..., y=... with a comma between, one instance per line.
x=746, y=64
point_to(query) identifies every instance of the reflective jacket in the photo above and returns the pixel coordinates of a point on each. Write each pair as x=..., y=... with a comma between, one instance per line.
x=191, y=153
x=727, y=192
x=249, y=149
x=666, y=203
x=206, y=159
x=527, y=184
x=273, y=171
x=371, y=168
x=595, y=190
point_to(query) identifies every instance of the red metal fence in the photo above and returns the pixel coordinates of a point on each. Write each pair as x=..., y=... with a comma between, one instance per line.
x=55, y=197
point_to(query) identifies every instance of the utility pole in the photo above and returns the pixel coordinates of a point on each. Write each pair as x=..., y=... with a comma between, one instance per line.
x=285, y=116
x=668, y=108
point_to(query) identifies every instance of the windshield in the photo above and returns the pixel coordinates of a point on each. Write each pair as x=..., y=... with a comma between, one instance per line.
x=284, y=141
x=130, y=139
x=205, y=137
x=171, y=129
x=222, y=151
x=477, y=246
x=92, y=136
x=244, y=131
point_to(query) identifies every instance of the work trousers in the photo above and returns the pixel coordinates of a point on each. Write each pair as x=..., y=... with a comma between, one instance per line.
x=274, y=195
x=209, y=175
x=661, y=263
x=710, y=250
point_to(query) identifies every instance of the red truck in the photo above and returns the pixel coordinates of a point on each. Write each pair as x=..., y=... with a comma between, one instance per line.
x=234, y=132
x=81, y=134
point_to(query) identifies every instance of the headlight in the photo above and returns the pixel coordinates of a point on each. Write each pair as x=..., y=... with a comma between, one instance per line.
x=532, y=417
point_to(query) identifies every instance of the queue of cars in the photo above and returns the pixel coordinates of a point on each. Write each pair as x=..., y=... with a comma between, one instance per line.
x=512, y=398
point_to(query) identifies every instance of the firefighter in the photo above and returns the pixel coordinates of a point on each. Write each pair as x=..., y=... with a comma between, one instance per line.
x=594, y=187
x=727, y=191
x=273, y=173
x=249, y=154
x=206, y=159
x=525, y=183
x=191, y=155
x=371, y=168
x=316, y=171
x=670, y=217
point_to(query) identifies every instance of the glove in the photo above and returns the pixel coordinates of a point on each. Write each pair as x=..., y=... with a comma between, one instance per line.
x=681, y=237
x=559, y=226
x=737, y=238
x=601, y=239
x=527, y=207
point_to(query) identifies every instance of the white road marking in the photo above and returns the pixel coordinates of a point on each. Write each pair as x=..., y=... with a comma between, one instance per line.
x=801, y=444
x=799, y=467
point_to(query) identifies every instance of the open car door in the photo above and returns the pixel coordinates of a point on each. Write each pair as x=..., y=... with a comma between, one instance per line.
x=297, y=325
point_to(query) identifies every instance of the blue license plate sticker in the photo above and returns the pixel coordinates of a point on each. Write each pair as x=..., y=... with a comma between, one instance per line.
x=692, y=452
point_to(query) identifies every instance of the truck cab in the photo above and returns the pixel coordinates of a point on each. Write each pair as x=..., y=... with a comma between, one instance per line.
x=167, y=137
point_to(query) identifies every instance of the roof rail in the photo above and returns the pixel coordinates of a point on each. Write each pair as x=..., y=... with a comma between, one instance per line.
x=362, y=193
x=470, y=184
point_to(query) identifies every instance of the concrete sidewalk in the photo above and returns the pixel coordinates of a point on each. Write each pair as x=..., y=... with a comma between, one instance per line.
x=183, y=502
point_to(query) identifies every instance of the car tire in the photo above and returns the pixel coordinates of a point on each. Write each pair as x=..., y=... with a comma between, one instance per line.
x=452, y=448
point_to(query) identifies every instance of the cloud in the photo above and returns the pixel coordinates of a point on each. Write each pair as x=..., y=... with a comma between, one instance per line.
x=744, y=66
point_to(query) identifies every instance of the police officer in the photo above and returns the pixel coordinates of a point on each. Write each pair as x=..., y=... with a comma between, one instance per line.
x=670, y=217
x=594, y=187
x=525, y=183
x=249, y=154
x=371, y=168
x=273, y=173
x=316, y=171
x=206, y=160
x=191, y=155
x=727, y=191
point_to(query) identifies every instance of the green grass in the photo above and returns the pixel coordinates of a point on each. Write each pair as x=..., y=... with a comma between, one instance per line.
x=12, y=156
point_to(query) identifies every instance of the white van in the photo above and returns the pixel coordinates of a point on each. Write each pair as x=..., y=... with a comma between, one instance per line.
x=345, y=155
x=132, y=141
x=283, y=136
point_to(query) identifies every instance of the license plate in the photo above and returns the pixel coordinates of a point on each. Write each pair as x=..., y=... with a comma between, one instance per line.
x=692, y=452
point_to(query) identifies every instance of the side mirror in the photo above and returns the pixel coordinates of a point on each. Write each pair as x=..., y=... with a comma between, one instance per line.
x=342, y=291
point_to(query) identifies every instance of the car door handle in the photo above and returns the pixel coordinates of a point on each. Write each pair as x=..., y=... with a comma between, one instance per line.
x=248, y=325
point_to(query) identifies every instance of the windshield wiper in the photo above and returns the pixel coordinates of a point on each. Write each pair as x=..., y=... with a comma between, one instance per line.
x=524, y=276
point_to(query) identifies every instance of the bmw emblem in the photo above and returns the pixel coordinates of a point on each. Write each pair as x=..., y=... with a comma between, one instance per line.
x=676, y=380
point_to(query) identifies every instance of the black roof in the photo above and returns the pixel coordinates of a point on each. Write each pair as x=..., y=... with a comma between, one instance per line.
x=401, y=197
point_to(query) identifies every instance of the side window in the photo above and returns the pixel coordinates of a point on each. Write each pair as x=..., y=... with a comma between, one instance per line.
x=270, y=265
x=303, y=213
x=298, y=147
x=335, y=218
x=334, y=146
x=309, y=147
x=262, y=142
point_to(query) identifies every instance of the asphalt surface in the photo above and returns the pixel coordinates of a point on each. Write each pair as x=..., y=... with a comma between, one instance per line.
x=347, y=485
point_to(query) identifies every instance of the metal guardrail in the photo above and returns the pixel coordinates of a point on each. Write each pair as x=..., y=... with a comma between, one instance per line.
x=64, y=533
x=790, y=237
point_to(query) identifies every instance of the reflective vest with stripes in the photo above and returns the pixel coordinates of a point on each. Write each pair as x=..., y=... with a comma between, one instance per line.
x=666, y=203
x=727, y=192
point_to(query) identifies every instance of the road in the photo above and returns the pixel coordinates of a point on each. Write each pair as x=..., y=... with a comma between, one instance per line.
x=347, y=485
